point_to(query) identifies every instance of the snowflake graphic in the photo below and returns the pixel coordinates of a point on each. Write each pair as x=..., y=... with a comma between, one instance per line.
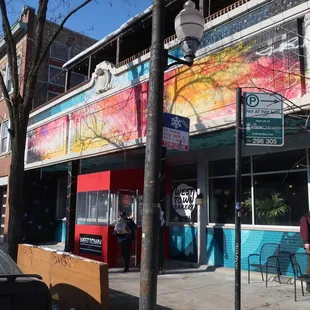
x=176, y=122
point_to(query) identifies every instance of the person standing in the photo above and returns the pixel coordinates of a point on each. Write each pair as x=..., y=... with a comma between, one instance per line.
x=125, y=232
x=305, y=235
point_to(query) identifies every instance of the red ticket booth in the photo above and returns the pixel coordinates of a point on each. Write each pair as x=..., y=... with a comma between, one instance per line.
x=101, y=197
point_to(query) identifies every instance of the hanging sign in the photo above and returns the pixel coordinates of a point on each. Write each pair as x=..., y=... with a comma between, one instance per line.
x=184, y=199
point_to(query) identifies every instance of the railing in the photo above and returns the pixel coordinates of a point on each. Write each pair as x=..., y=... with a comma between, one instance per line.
x=173, y=37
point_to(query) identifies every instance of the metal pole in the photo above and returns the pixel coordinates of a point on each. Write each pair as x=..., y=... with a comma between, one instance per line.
x=161, y=248
x=238, y=195
x=151, y=193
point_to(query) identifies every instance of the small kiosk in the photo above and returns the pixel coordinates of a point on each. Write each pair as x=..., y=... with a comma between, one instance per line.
x=101, y=197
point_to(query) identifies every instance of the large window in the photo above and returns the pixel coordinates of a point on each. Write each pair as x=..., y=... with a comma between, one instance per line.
x=278, y=181
x=57, y=76
x=6, y=73
x=92, y=208
x=183, y=194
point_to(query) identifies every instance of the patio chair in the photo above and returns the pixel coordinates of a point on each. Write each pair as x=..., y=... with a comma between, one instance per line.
x=267, y=259
x=299, y=262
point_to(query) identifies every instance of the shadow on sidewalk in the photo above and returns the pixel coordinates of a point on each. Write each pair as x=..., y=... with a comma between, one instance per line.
x=119, y=301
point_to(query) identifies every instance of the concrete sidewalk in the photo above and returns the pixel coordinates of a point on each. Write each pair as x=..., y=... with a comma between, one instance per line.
x=204, y=288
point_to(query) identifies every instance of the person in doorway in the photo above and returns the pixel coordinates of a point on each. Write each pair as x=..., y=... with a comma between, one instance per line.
x=125, y=230
x=305, y=235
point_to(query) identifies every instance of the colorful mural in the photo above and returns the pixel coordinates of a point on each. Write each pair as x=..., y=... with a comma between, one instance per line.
x=203, y=92
x=48, y=141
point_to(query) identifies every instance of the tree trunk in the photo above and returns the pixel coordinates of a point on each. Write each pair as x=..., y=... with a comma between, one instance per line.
x=16, y=187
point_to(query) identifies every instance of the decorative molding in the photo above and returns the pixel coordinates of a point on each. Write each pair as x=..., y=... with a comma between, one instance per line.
x=103, y=76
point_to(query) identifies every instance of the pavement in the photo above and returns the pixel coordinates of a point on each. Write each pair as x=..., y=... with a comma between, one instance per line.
x=185, y=287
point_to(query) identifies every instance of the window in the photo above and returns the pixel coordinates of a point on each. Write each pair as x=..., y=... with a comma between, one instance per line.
x=59, y=51
x=92, y=208
x=4, y=137
x=57, y=76
x=6, y=73
x=222, y=200
x=280, y=199
x=184, y=192
x=279, y=183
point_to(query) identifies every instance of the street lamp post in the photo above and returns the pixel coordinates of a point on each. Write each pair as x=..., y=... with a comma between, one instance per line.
x=189, y=28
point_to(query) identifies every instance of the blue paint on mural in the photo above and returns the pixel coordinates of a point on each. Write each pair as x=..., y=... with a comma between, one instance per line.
x=220, y=245
x=183, y=243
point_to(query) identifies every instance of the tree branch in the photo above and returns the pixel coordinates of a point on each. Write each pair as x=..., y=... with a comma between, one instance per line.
x=10, y=48
x=43, y=54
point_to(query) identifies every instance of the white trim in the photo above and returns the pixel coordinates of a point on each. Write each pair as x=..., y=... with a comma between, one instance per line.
x=257, y=227
x=4, y=181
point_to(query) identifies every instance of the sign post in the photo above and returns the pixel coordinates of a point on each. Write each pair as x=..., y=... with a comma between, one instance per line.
x=238, y=197
x=263, y=119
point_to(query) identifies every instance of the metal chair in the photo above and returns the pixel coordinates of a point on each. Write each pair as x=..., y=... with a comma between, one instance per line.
x=267, y=259
x=300, y=263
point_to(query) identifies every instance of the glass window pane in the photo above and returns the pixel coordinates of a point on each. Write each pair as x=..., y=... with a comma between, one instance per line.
x=57, y=76
x=126, y=202
x=59, y=51
x=183, y=207
x=103, y=204
x=222, y=200
x=81, y=208
x=292, y=160
x=226, y=167
x=4, y=137
x=92, y=208
x=185, y=172
x=281, y=199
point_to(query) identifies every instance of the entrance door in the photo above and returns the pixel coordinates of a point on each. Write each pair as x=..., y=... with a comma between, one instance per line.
x=127, y=201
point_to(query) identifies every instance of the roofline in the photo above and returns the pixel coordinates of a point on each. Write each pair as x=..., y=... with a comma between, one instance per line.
x=107, y=38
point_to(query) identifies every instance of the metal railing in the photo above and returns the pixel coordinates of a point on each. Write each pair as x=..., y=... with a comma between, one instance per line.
x=173, y=37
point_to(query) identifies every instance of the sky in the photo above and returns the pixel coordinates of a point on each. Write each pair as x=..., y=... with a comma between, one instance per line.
x=97, y=19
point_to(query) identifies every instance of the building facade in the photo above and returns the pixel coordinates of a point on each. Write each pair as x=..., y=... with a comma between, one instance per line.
x=257, y=45
x=51, y=82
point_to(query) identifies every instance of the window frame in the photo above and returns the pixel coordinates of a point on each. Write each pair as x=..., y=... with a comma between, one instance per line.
x=252, y=174
x=49, y=75
x=7, y=148
x=59, y=59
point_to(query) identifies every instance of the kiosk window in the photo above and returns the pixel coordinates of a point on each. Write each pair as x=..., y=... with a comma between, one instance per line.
x=92, y=208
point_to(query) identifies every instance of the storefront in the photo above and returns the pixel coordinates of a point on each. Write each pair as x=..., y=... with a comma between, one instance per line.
x=275, y=192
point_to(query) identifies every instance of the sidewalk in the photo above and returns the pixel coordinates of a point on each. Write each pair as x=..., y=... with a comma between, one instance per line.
x=204, y=288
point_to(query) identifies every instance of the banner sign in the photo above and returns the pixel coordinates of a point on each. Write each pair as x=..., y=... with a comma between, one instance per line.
x=90, y=244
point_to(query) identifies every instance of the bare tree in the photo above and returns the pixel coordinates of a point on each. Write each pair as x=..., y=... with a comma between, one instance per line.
x=19, y=104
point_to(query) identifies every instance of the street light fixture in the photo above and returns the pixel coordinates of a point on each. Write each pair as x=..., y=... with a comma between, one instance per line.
x=189, y=28
x=189, y=25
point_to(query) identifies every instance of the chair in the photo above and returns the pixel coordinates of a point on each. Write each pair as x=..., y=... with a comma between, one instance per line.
x=300, y=263
x=268, y=258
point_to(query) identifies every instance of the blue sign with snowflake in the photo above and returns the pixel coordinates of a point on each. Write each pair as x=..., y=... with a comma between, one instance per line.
x=175, y=132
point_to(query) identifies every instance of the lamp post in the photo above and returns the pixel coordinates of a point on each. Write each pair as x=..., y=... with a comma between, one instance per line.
x=189, y=28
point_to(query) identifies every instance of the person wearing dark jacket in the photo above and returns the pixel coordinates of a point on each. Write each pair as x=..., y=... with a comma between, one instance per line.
x=305, y=235
x=125, y=239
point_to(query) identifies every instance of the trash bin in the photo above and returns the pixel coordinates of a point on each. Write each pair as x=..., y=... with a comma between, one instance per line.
x=21, y=291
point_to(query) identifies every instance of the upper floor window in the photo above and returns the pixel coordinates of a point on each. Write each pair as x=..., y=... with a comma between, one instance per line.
x=57, y=76
x=4, y=145
x=63, y=52
x=6, y=73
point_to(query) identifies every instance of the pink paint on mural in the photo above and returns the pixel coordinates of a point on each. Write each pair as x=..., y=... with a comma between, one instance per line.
x=48, y=141
x=114, y=120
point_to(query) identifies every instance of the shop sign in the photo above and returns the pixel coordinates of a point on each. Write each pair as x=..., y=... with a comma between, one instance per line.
x=183, y=200
x=263, y=119
x=175, y=132
x=90, y=244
